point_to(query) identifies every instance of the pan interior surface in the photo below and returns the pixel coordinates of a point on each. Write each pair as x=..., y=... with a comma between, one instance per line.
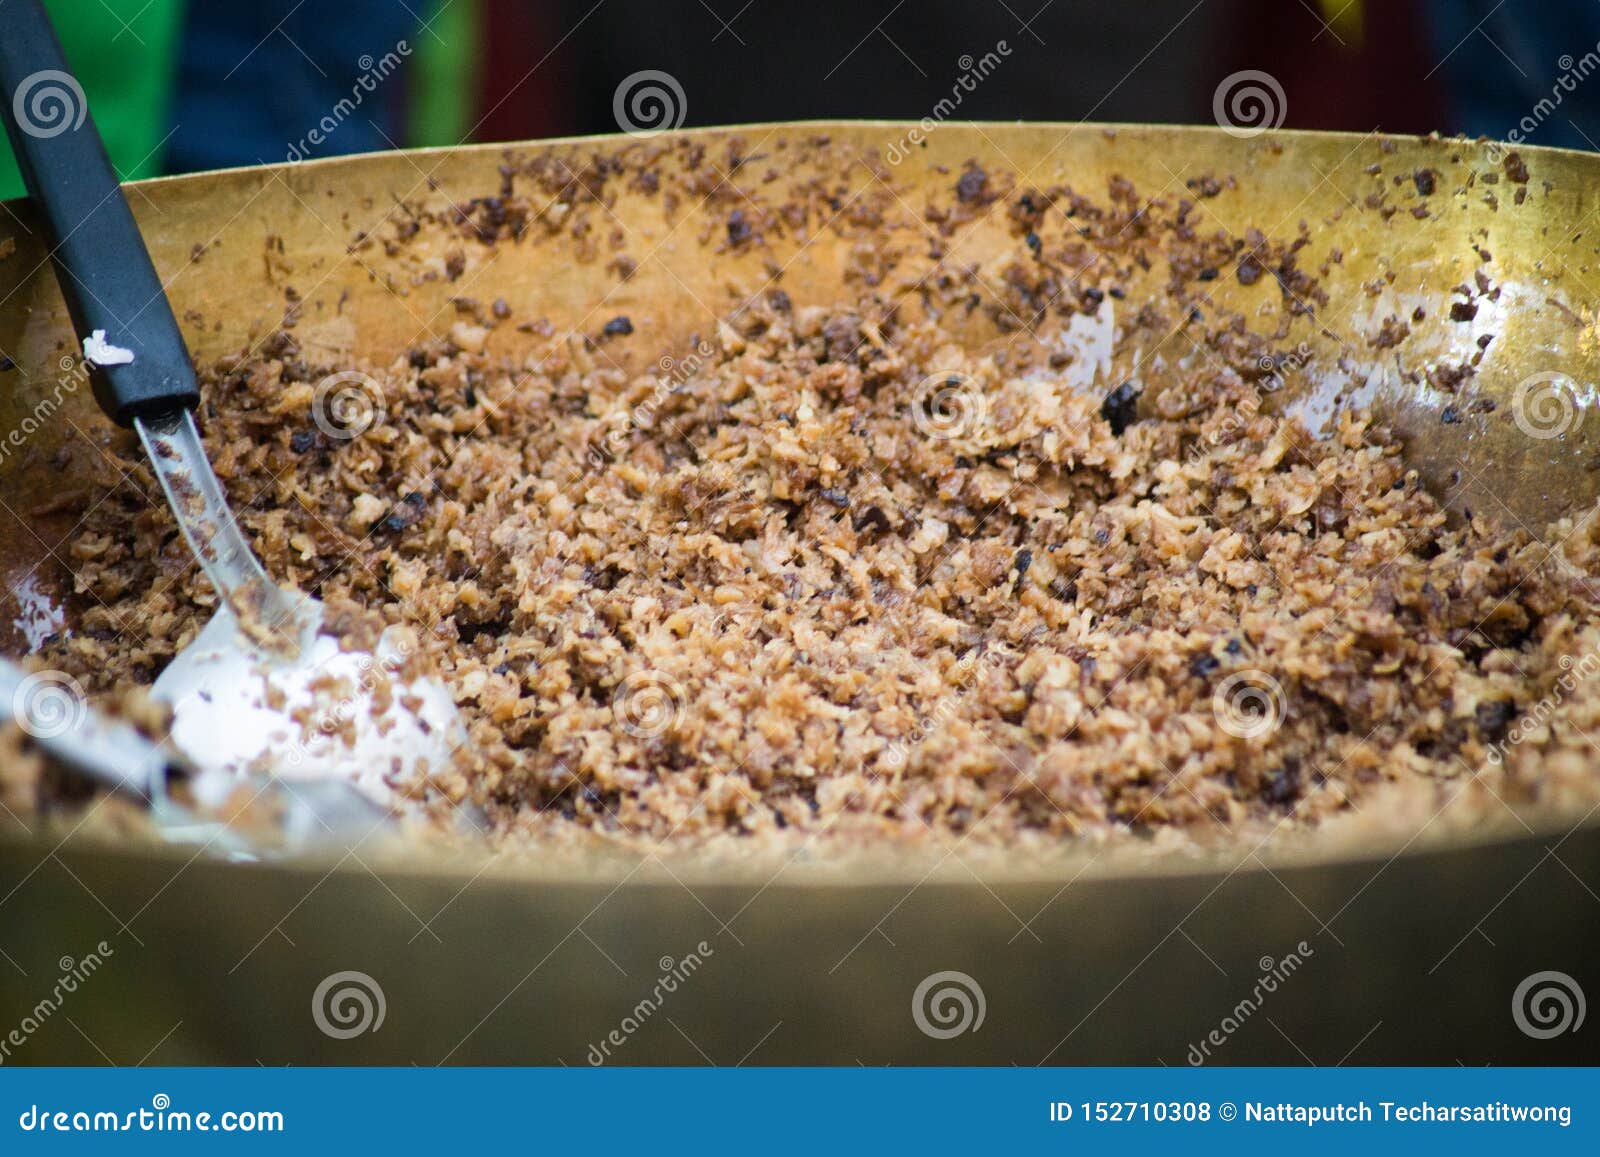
x=1438, y=284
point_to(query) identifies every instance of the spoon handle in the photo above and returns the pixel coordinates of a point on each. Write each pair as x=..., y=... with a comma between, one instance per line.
x=110, y=286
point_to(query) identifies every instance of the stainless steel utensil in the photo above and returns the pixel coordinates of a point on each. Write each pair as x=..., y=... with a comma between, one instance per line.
x=112, y=754
x=262, y=684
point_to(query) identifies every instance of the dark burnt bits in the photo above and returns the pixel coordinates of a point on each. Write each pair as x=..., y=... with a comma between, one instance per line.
x=619, y=326
x=302, y=441
x=1020, y=563
x=1282, y=787
x=841, y=335
x=972, y=186
x=872, y=519
x=405, y=514
x=1516, y=169
x=741, y=230
x=1391, y=333
x=1120, y=408
x=1494, y=717
x=1028, y=210
x=1426, y=180
x=1463, y=310
x=1449, y=377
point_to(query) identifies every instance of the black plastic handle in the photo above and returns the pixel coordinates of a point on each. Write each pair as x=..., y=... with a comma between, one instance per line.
x=100, y=259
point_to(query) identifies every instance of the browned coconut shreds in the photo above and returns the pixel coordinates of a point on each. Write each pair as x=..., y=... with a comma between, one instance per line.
x=839, y=573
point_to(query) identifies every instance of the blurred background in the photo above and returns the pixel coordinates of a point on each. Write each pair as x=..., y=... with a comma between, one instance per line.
x=179, y=85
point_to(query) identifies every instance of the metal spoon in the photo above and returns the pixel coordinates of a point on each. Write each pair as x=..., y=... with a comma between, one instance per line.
x=261, y=688
x=111, y=754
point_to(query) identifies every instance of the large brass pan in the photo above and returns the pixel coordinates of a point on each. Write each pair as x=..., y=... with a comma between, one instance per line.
x=1405, y=951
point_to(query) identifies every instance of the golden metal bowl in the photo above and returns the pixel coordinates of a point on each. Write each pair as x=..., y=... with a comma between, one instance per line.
x=1404, y=950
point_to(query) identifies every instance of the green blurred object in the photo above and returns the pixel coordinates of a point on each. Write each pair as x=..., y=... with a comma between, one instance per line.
x=125, y=54
x=442, y=101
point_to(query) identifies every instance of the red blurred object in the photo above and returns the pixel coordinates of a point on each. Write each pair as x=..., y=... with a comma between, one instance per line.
x=528, y=75
x=1379, y=81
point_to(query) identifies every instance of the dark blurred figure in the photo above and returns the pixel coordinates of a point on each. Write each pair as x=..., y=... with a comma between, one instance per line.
x=1522, y=71
x=276, y=80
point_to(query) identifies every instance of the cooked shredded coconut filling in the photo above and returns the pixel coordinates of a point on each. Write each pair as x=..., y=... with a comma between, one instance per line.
x=835, y=569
